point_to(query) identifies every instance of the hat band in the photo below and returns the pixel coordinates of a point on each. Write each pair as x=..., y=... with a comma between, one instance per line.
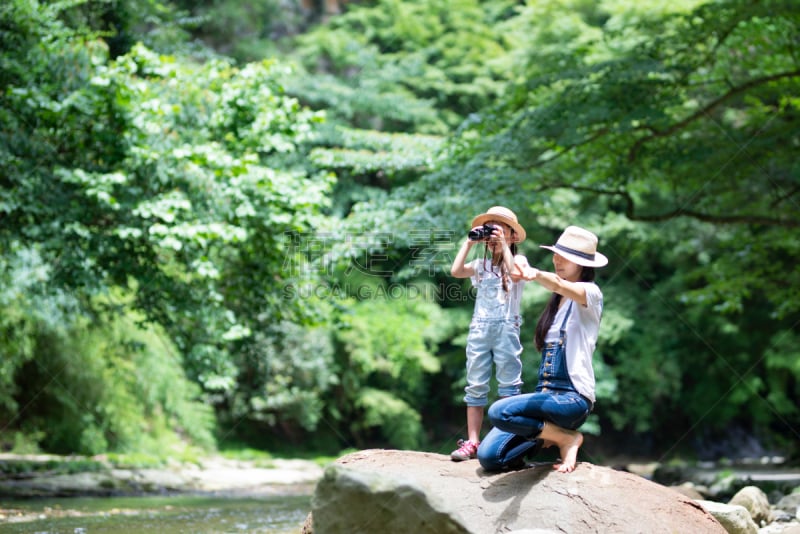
x=576, y=252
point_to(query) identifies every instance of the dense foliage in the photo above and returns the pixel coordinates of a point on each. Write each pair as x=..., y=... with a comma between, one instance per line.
x=153, y=184
x=670, y=134
x=214, y=229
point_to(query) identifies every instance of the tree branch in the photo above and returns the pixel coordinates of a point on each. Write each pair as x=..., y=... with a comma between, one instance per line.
x=633, y=152
x=792, y=192
x=567, y=149
x=630, y=210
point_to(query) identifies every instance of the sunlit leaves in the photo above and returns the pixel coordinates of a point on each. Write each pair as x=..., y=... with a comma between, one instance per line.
x=433, y=62
x=296, y=370
x=366, y=151
x=376, y=345
x=398, y=422
x=384, y=362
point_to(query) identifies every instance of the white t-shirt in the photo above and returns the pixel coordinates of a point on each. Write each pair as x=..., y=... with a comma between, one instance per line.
x=582, y=328
x=492, y=302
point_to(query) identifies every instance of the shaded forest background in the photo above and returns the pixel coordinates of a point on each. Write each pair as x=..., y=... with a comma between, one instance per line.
x=231, y=222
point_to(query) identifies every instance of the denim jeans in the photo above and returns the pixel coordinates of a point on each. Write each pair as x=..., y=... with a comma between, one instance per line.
x=493, y=341
x=518, y=420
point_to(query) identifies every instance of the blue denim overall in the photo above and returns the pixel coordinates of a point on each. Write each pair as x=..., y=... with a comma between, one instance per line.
x=493, y=341
x=553, y=372
x=519, y=420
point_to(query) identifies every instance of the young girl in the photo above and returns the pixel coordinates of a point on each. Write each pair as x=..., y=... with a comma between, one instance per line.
x=566, y=335
x=494, y=330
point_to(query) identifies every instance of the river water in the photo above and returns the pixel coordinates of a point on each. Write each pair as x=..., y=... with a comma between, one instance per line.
x=164, y=515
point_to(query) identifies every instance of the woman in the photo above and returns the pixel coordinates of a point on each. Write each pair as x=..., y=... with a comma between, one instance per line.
x=566, y=335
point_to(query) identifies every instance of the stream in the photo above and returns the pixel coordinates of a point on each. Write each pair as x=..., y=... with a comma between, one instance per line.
x=249, y=499
x=162, y=514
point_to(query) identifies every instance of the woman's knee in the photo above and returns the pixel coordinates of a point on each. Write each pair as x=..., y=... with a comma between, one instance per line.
x=488, y=455
x=490, y=463
x=496, y=412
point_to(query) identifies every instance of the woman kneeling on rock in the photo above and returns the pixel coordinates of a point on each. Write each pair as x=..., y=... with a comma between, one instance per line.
x=566, y=335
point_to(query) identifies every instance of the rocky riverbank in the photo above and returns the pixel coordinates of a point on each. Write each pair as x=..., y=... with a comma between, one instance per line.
x=770, y=511
x=25, y=476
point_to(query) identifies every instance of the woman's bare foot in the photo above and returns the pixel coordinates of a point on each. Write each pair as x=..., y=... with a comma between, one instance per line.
x=568, y=443
x=569, y=452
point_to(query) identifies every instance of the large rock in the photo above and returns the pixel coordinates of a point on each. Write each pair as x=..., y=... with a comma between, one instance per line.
x=390, y=491
x=734, y=518
x=755, y=502
x=790, y=504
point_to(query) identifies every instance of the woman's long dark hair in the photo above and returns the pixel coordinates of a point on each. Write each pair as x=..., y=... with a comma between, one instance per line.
x=549, y=313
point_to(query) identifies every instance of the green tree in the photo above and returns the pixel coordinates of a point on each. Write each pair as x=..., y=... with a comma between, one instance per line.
x=169, y=181
x=205, y=195
x=670, y=133
x=383, y=368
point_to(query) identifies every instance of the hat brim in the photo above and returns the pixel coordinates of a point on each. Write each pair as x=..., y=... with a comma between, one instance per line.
x=599, y=259
x=519, y=231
